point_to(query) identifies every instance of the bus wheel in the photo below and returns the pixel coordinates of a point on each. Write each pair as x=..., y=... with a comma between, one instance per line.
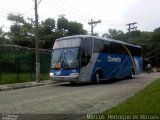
x=132, y=74
x=98, y=78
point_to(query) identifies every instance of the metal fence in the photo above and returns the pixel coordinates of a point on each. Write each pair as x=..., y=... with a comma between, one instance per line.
x=18, y=62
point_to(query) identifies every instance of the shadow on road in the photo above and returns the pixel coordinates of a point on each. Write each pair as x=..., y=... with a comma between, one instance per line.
x=109, y=81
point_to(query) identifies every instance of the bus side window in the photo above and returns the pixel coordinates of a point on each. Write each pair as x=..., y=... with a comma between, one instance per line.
x=117, y=49
x=86, y=51
x=106, y=47
x=98, y=46
x=134, y=51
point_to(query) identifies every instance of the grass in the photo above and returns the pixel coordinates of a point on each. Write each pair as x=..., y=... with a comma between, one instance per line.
x=147, y=101
x=7, y=78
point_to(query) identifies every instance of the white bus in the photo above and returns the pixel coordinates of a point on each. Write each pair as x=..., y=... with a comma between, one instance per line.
x=83, y=58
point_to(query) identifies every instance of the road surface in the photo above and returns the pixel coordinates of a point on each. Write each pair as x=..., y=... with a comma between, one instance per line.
x=63, y=98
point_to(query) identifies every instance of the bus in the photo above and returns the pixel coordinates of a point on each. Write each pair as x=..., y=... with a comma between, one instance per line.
x=83, y=58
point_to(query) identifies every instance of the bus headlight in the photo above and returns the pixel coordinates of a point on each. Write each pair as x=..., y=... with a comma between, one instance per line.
x=74, y=74
x=51, y=74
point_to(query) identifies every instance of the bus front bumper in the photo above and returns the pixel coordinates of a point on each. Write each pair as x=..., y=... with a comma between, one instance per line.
x=69, y=78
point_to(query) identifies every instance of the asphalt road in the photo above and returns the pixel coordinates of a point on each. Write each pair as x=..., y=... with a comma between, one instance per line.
x=63, y=98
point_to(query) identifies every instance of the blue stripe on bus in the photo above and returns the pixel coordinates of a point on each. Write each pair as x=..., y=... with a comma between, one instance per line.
x=116, y=66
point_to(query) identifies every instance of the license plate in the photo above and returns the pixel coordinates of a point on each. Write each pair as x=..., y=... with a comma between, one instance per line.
x=61, y=78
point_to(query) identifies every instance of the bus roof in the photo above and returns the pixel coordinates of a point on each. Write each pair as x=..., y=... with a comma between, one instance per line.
x=106, y=39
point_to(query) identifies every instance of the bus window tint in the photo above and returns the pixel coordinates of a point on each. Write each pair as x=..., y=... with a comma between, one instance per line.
x=98, y=46
x=117, y=48
x=102, y=46
x=106, y=47
x=135, y=51
x=86, y=51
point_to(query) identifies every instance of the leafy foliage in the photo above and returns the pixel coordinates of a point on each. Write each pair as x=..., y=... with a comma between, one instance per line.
x=62, y=23
x=75, y=28
x=22, y=31
x=149, y=41
x=3, y=40
x=113, y=33
x=16, y=18
x=155, y=47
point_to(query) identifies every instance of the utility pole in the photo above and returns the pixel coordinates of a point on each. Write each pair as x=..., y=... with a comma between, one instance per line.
x=37, y=44
x=131, y=27
x=93, y=24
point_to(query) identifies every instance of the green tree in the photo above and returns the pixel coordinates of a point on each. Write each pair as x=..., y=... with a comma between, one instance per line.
x=3, y=39
x=75, y=28
x=46, y=33
x=113, y=33
x=155, y=42
x=49, y=25
x=21, y=32
x=17, y=19
x=67, y=28
x=62, y=23
x=62, y=26
x=156, y=38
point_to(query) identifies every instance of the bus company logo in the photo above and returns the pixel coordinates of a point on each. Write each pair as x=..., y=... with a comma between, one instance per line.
x=113, y=59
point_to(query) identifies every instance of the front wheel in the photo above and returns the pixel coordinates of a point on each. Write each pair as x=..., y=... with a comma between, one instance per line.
x=97, y=78
x=132, y=74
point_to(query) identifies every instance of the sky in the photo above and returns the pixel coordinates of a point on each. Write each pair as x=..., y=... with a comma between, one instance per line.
x=112, y=13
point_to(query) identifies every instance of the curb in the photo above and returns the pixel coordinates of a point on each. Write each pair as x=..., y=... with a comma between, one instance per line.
x=6, y=87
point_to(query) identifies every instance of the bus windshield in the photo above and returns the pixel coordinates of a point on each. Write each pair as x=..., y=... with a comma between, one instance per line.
x=65, y=58
x=74, y=42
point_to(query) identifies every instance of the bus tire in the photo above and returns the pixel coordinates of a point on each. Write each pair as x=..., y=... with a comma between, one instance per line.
x=132, y=74
x=99, y=76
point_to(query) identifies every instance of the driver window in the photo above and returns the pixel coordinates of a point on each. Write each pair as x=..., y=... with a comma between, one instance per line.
x=86, y=51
